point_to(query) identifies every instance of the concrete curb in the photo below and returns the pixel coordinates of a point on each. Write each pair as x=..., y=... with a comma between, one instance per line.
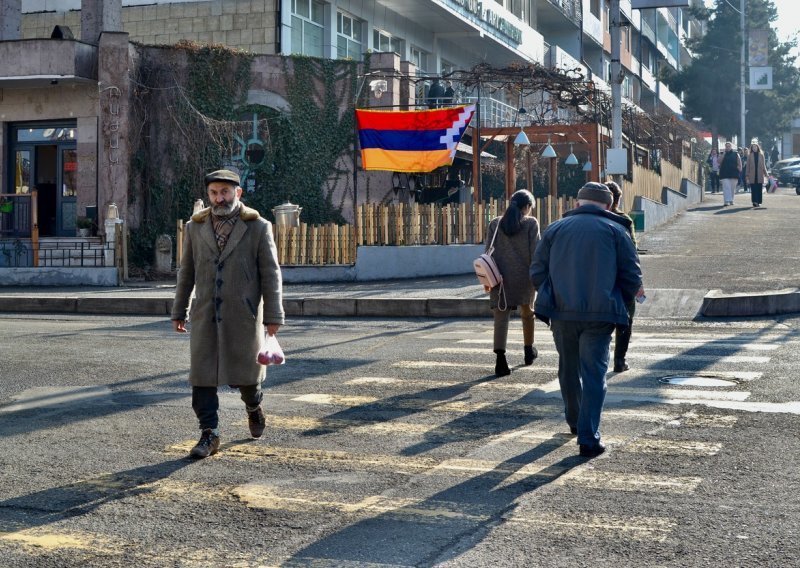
x=297, y=307
x=718, y=304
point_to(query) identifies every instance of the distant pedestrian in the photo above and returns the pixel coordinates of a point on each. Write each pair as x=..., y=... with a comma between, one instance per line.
x=435, y=94
x=585, y=270
x=729, y=171
x=756, y=173
x=449, y=94
x=744, y=153
x=230, y=261
x=774, y=156
x=515, y=236
x=713, y=164
x=622, y=333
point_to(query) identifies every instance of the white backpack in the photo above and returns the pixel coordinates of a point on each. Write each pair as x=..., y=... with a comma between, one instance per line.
x=487, y=272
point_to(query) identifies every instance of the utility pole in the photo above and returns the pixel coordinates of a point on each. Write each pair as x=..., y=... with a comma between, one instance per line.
x=742, y=70
x=616, y=77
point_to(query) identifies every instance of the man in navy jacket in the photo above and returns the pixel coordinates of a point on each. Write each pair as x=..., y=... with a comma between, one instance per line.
x=585, y=269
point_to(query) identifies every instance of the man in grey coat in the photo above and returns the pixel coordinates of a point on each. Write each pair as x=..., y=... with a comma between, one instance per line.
x=231, y=262
x=585, y=269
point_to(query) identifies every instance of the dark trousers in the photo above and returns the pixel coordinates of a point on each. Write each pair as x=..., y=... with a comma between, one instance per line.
x=714, y=182
x=756, y=192
x=582, y=366
x=205, y=403
x=622, y=336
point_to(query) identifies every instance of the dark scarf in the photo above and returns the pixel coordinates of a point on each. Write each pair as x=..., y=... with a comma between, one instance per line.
x=223, y=225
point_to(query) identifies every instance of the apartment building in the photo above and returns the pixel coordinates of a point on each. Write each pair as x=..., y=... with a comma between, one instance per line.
x=437, y=36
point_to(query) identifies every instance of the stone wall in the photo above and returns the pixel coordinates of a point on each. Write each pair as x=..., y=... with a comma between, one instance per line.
x=245, y=24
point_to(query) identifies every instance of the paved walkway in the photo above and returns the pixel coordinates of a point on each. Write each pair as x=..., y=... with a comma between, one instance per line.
x=739, y=250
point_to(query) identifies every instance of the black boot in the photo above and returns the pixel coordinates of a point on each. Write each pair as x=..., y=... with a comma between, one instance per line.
x=531, y=353
x=501, y=366
x=621, y=341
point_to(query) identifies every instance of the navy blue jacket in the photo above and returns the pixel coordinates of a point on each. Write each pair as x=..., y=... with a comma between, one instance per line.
x=585, y=268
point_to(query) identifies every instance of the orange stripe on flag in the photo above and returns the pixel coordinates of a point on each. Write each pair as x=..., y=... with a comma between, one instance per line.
x=402, y=161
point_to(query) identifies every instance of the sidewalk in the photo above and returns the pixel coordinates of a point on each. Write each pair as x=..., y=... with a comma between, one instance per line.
x=746, y=255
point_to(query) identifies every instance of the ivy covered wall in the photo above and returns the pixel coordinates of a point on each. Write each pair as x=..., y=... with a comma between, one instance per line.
x=197, y=108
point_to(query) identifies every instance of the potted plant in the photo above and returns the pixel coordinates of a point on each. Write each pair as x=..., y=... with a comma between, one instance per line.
x=6, y=205
x=84, y=225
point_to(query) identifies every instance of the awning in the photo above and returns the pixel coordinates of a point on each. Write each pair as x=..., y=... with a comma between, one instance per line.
x=464, y=151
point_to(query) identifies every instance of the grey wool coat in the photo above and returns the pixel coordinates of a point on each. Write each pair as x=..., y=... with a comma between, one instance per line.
x=514, y=255
x=236, y=292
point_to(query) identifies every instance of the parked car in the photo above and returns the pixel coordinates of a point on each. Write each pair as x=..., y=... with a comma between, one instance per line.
x=787, y=174
x=779, y=169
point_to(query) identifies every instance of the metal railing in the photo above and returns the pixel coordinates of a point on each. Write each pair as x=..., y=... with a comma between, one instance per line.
x=494, y=113
x=69, y=253
x=572, y=9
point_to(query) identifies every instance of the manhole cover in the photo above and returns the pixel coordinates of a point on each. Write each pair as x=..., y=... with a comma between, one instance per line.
x=697, y=381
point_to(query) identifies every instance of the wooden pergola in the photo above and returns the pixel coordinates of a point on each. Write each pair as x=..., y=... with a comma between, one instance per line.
x=587, y=139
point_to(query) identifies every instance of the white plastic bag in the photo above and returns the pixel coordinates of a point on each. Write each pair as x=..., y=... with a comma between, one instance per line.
x=271, y=354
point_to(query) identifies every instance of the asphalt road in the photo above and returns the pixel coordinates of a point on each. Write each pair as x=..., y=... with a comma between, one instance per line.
x=390, y=443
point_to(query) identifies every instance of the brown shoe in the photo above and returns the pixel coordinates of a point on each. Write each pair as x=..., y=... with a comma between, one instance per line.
x=207, y=446
x=257, y=422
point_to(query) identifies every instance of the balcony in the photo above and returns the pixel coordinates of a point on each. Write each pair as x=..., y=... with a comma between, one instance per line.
x=39, y=62
x=494, y=113
x=555, y=16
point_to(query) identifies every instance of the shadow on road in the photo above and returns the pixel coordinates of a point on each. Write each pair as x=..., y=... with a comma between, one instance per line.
x=83, y=497
x=423, y=532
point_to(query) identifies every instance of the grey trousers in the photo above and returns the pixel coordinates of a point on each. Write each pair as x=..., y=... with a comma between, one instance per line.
x=501, y=319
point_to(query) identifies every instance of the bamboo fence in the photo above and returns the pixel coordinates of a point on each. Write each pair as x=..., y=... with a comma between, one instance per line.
x=431, y=224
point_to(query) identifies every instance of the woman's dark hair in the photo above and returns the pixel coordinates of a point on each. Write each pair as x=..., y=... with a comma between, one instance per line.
x=511, y=220
x=616, y=194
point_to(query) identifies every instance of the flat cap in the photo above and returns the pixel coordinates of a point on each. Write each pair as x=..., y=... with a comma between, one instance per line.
x=223, y=175
x=598, y=192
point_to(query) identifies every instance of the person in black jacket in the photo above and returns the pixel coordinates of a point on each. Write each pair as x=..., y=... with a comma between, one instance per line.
x=729, y=171
x=622, y=333
x=585, y=269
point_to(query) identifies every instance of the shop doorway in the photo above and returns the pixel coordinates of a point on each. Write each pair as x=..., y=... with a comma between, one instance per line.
x=44, y=157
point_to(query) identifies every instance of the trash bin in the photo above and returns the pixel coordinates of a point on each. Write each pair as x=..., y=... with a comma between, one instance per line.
x=638, y=220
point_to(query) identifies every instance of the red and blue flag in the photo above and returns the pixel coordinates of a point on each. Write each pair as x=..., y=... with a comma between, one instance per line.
x=411, y=141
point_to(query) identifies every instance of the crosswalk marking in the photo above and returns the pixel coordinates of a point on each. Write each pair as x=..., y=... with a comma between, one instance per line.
x=689, y=343
x=635, y=527
x=634, y=356
x=672, y=447
x=615, y=481
x=537, y=367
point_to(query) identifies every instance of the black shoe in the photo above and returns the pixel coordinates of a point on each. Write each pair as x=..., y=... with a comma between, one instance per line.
x=531, y=353
x=257, y=422
x=573, y=430
x=620, y=366
x=501, y=366
x=593, y=451
x=207, y=446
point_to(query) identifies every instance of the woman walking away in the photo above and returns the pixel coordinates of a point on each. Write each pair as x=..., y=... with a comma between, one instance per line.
x=622, y=333
x=756, y=172
x=515, y=236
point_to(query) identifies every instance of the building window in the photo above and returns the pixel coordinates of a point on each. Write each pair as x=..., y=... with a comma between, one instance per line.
x=382, y=41
x=594, y=8
x=307, y=27
x=420, y=59
x=348, y=44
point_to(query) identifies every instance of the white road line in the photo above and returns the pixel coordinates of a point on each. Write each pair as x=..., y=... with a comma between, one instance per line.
x=649, y=343
x=631, y=355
